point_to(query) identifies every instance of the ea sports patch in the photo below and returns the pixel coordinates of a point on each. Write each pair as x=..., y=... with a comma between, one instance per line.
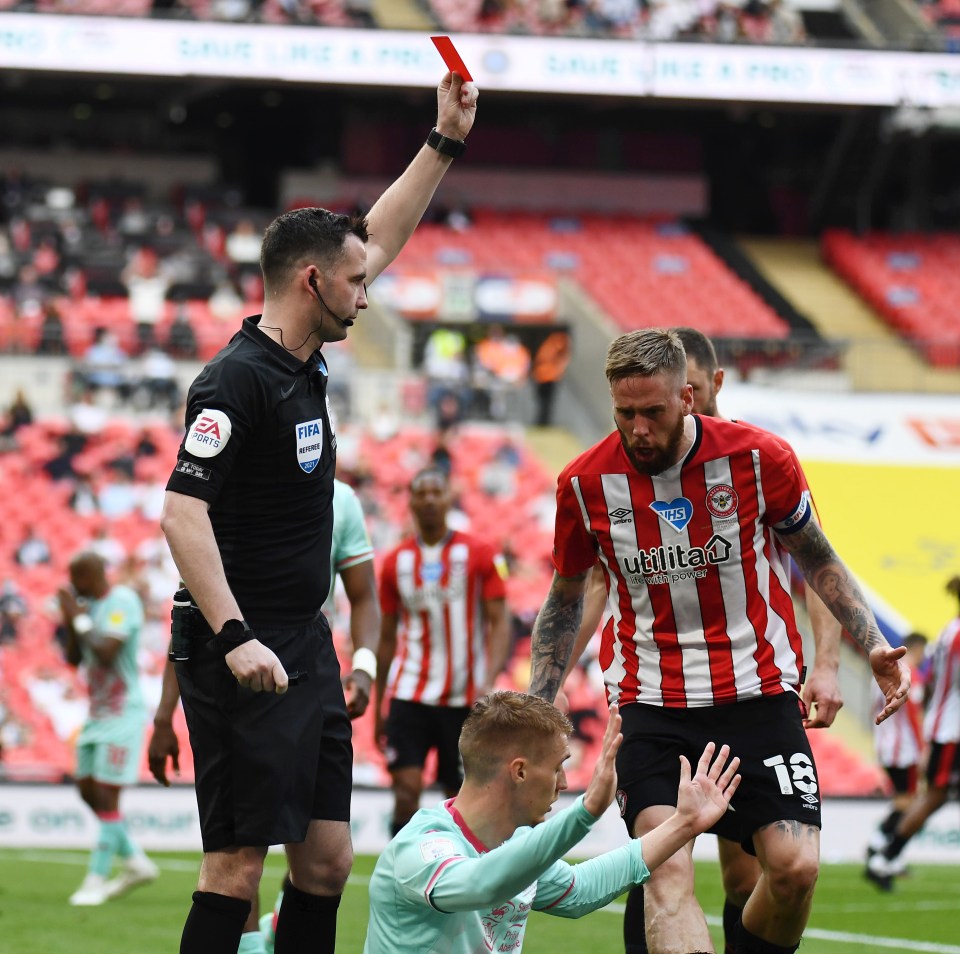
x=677, y=512
x=208, y=434
x=309, y=444
x=433, y=849
x=722, y=500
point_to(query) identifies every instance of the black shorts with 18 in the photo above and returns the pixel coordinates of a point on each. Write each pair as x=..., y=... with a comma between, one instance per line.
x=267, y=764
x=778, y=775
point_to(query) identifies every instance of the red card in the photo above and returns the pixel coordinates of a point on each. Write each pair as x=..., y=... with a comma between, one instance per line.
x=451, y=57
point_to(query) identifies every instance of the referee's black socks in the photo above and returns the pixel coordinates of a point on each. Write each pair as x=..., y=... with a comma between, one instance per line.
x=214, y=924
x=306, y=921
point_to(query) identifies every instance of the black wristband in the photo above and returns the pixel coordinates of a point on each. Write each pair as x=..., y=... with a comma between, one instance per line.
x=454, y=148
x=235, y=632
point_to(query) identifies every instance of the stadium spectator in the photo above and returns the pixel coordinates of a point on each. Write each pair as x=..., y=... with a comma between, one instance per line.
x=147, y=285
x=104, y=365
x=501, y=365
x=158, y=380
x=33, y=549
x=52, y=340
x=899, y=746
x=258, y=430
x=445, y=367
x=29, y=292
x=739, y=869
x=83, y=498
x=941, y=731
x=182, y=339
x=13, y=608
x=550, y=363
x=470, y=870
x=19, y=414
x=103, y=624
x=118, y=495
x=612, y=502
x=443, y=641
x=243, y=243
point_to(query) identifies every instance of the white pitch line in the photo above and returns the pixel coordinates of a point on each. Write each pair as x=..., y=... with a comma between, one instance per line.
x=844, y=937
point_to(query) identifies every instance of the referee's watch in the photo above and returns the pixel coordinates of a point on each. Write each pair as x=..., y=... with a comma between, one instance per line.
x=454, y=148
x=235, y=632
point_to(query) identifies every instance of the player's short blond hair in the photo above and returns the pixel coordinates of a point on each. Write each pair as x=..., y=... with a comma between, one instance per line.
x=645, y=353
x=504, y=724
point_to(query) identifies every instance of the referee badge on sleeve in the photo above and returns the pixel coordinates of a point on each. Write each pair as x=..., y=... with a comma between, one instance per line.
x=208, y=434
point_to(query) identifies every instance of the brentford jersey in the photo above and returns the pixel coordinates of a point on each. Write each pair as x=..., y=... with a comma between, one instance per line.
x=437, y=593
x=942, y=722
x=899, y=739
x=698, y=611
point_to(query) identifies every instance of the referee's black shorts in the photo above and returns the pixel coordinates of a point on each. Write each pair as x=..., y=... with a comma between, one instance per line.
x=778, y=775
x=413, y=729
x=266, y=764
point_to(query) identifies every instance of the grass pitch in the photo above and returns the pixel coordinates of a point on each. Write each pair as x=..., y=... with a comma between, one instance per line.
x=849, y=915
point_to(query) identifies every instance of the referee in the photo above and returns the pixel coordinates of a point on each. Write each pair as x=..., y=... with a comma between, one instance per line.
x=248, y=517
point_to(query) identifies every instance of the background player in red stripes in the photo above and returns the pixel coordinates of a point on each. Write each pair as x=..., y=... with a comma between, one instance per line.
x=444, y=638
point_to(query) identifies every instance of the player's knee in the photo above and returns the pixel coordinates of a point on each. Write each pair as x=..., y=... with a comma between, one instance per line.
x=327, y=875
x=739, y=882
x=793, y=880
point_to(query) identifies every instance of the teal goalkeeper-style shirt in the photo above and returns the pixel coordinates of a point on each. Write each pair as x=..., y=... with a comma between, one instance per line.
x=351, y=542
x=437, y=890
x=115, y=689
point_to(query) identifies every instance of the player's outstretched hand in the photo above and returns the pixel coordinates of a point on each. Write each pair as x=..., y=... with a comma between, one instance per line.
x=256, y=667
x=893, y=677
x=456, y=106
x=163, y=745
x=703, y=799
x=603, y=784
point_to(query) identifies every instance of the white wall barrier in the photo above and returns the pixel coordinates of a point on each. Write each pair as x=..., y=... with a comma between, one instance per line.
x=52, y=816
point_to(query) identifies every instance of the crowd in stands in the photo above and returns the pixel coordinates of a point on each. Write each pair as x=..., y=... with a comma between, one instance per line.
x=764, y=21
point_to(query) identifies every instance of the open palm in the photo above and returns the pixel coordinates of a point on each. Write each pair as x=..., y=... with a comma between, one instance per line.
x=703, y=799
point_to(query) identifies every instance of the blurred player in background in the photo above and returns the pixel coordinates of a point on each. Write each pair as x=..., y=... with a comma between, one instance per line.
x=941, y=730
x=443, y=641
x=685, y=513
x=103, y=625
x=899, y=746
x=351, y=557
x=463, y=877
x=739, y=868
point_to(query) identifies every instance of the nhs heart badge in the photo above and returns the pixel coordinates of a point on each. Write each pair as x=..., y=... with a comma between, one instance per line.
x=677, y=512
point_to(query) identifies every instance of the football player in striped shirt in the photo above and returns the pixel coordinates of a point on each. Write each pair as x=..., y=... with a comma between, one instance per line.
x=941, y=729
x=444, y=638
x=686, y=515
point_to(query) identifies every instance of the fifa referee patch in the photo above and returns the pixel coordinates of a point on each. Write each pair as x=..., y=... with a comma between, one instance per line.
x=208, y=434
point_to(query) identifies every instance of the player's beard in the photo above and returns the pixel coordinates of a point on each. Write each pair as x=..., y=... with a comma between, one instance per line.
x=662, y=458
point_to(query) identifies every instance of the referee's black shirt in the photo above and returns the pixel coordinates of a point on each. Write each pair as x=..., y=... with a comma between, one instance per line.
x=261, y=450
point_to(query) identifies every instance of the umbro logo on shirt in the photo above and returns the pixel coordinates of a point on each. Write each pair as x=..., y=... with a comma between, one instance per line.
x=620, y=516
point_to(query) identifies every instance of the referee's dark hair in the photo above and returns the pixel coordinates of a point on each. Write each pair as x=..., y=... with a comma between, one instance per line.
x=304, y=235
x=699, y=347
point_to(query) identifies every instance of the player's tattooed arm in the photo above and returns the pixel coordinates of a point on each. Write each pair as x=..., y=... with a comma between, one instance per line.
x=834, y=583
x=554, y=634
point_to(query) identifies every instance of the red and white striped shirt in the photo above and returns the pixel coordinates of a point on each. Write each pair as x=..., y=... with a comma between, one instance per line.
x=438, y=593
x=698, y=611
x=942, y=722
x=899, y=739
